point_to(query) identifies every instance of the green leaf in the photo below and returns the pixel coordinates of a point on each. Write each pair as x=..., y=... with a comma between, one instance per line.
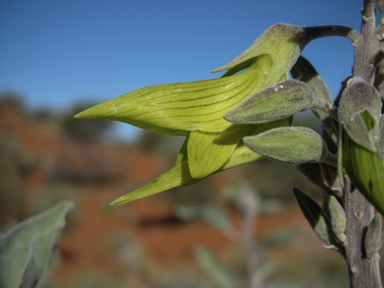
x=294, y=145
x=304, y=71
x=331, y=177
x=25, y=250
x=372, y=243
x=360, y=105
x=178, y=108
x=313, y=172
x=338, y=219
x=279, y=101
x=315, y=216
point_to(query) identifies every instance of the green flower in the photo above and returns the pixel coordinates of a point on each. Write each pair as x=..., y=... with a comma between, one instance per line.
x=196, y=109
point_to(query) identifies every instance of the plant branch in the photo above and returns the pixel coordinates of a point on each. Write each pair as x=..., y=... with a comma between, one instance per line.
x=359, y=212
x=332, y=30
x=367, y=44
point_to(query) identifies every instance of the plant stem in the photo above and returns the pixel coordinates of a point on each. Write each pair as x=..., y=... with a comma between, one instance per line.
x=367, y=44
x=359, y=212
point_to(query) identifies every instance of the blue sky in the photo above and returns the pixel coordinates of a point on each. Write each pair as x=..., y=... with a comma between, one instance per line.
x=57, y=53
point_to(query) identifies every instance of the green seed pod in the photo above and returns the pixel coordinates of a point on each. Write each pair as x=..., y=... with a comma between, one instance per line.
x=372, y=242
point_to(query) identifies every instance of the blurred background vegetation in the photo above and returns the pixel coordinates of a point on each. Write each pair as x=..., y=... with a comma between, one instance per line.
x=186, y=237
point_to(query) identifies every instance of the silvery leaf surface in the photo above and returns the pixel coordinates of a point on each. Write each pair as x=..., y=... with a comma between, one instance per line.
x=294, y=145
x=25, y=250
x=361, y=100
x=278, y=101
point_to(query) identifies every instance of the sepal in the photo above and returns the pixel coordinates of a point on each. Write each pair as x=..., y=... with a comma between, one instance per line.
x=293, y=145
x=279, y=101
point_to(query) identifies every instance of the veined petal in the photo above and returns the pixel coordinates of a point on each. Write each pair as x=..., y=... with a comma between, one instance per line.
x=183, y=154
x=207, y=152
x=180, y=175
x=176, y=176
x=178, y=108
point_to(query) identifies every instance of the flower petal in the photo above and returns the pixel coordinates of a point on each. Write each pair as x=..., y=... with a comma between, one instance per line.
x=207, y=152
x=290, y=39
x=176, y=109
x=180, y=175
x=176, y=176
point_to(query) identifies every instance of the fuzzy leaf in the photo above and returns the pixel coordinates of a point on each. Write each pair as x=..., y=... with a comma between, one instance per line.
x=338, y=219
x=372, y=242
x=315, y=216
x=304, y=71
x=359, y=103
x=279, y=101
x=25, y=250
x=332, y=178
x=313, y=172
x=293, y=145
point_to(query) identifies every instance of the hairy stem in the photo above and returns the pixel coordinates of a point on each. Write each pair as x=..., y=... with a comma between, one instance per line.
x=332, y=30
x=367, y=44
x=359, y=212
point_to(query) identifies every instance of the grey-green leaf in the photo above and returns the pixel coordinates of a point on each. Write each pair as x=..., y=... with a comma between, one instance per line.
x=25, y=250
x=338, y=219
x=373, y=237
x=315, y=216
x=361, y=100
x=304, y=71
x=313, y=172
x=275, y=102
x=294, y=145
x=332, y=178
